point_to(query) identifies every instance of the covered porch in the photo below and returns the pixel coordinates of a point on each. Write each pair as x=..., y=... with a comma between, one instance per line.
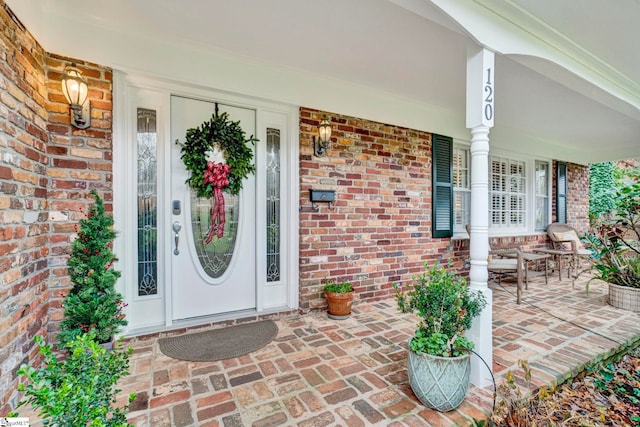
x=320, y=372
x=562, y=94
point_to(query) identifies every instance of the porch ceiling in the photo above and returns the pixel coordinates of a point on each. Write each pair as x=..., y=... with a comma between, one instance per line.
x=567, y=78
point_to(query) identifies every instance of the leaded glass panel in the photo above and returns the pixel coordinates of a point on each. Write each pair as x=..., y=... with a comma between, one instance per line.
x=215, y=256
x=147, y=159
x=273, y=205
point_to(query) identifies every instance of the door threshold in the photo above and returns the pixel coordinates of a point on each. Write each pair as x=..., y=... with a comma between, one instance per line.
x=202, y=322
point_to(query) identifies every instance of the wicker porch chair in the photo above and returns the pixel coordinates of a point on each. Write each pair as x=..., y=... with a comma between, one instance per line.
x=566, y=243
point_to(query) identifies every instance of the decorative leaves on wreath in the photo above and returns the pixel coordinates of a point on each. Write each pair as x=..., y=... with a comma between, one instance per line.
x=219, y=133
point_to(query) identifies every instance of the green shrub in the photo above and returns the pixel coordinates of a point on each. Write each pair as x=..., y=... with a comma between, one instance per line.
x=341, y=288
x=93, y=304
x=446, y=306
x=615, y=242
x=602, y=188
x=80, y=389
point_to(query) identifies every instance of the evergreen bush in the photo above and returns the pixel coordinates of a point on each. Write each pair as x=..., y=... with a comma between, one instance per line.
x=93, y=304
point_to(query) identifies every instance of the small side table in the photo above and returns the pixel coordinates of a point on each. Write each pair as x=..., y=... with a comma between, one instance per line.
x=557, y=254
x=531, y=257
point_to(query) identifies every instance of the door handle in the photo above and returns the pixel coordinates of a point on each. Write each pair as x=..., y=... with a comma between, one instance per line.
x=176, y=236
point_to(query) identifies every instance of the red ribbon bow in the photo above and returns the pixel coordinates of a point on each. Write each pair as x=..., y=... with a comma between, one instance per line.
x=216, y=175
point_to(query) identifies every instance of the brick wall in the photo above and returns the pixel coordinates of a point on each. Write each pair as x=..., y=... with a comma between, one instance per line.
x=379, y=230
x=80, y=160
x=24, y=228
x=577, y=196
x=528, y=242
x=47, y=169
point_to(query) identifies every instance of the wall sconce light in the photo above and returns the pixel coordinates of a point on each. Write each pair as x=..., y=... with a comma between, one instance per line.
x=75, y=89
x=321, y=143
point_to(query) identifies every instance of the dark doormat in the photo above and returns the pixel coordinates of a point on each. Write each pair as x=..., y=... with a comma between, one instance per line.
x=218, y=344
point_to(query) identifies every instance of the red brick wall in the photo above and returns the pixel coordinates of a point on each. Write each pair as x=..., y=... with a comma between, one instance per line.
x=47, y=169
x=24, y=227
x=577, y=196
x=80, y=160
x=527, y=243
x=378, y=231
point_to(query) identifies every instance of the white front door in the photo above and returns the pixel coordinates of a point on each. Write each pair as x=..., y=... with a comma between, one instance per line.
x=254, y=268
x=220, y=276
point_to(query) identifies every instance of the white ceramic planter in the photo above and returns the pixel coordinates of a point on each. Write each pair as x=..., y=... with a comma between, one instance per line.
x=440, y=383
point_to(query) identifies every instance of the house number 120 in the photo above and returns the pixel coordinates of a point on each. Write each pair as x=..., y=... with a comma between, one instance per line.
x=488, y=99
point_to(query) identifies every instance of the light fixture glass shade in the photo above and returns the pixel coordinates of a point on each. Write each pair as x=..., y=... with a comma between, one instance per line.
x=324, y=130
x=74, y=87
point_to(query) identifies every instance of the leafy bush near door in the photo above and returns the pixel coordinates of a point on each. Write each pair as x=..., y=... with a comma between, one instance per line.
x=93, y=304
x=78, y=390
x=77, y=386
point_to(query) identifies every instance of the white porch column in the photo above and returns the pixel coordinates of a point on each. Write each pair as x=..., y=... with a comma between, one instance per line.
x=480, y=63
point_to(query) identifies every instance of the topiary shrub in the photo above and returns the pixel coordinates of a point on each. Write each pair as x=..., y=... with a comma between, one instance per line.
x=93, y=304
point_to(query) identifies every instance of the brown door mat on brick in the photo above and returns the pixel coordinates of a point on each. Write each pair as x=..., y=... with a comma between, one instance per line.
x=218, y=344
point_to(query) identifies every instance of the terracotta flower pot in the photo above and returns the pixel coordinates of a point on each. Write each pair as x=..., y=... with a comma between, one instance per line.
x=339, y=304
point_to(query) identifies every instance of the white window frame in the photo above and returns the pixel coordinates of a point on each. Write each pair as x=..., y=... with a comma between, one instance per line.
x=508, y=183
x=461, y=189
x=546, y=197
x=531, y=194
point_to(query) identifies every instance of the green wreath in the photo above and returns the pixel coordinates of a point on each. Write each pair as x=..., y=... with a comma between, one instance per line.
x=226, y=136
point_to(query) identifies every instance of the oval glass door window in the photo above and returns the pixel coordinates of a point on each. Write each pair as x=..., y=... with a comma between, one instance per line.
x=214, y=257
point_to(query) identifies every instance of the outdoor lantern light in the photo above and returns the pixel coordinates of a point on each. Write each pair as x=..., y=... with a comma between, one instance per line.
x=75, y=89
x=324, y=136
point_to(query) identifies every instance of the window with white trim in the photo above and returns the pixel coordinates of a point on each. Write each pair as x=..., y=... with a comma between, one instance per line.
x=542, y=195
x=461, y=188
x=519, y=193
x=507, y=194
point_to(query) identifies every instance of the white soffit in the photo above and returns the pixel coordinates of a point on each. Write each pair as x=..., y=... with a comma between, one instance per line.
x=559, y=92
x=593, y=41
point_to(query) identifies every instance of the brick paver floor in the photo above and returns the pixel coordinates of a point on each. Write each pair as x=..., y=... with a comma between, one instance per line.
x=322, y=372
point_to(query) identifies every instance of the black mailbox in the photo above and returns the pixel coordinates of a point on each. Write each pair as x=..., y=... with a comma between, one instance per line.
x=316, y=196
x=323, y=195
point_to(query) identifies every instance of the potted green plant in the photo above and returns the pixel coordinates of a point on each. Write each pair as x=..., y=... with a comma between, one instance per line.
x=615, y=248
x=93, y=304
x=339, y=299
x=79, y=389
x=438, y=356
